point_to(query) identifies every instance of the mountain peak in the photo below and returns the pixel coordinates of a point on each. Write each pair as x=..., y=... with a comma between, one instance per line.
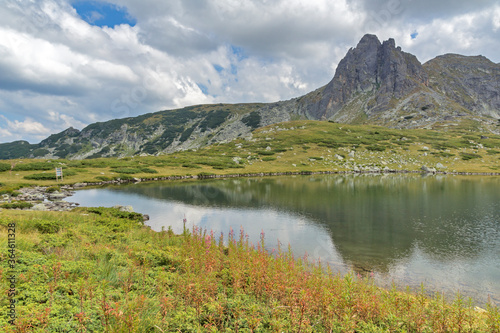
x=372, y=67
x=368, y=39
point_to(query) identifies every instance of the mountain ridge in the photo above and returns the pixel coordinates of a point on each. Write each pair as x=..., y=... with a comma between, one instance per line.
x=375, y=83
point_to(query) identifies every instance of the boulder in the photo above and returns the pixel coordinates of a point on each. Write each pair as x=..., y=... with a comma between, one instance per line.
x=428, y=170
x=39, y=207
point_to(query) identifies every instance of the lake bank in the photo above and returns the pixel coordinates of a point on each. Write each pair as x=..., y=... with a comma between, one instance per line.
x=101, y=270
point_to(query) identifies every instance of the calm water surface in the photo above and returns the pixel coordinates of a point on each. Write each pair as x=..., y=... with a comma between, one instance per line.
x=443, y=231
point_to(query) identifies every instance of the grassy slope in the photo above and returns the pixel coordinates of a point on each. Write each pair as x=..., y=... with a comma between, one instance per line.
x=294, y=147
x=100, y=270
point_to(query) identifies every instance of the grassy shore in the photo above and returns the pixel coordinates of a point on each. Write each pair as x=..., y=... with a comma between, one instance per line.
x=101, y=270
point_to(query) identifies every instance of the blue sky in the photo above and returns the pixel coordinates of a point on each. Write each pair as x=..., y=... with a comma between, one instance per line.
x=103, y=13
x=69, y=63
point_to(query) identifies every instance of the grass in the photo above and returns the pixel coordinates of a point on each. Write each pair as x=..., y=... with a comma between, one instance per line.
x=291, y=144
x=100, y=270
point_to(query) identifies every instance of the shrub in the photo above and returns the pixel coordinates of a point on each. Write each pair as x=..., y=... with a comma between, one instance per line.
x=148, y=170
x=252, y=120
x=442, y=154
x=17, y=205
x=4, y=167
x=192, y=166
x=103, y=178
x=34, y=166
x=469, y=156
x=49, y=175
x=127, y=171
x=376, y=147
x=124, y=177
x=47, y=227
x=52, y=189
x=268, y=158
x=266, y=152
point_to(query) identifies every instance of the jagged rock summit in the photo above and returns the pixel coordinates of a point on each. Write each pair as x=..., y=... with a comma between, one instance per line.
x=374, y=68
x=378, y=83
x=375, y=83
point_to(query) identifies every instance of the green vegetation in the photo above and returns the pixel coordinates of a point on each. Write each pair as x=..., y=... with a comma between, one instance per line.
x=4, y=167
x=252, y=120
x=15, y=149
x=469, y=156
x=100, y=270
x=49, y=175
x=35, y=166
x=16, y=205
x=291, y=144
x=214, y=119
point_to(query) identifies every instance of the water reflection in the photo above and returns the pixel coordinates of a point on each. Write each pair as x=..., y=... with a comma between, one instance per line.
x=443, y=231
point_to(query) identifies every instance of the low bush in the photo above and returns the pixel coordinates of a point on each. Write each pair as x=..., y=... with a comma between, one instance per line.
x=34, y=166
x=266, y=152
x=49, y=175
x=376, y=147
x=4, y=167
x=47, y=226
x=128, y=171
x=17, y=205
x=52, y=189
x=469, y=156
x=103, y=178
x=442, y=154
x=192, y=166
x=148, y=170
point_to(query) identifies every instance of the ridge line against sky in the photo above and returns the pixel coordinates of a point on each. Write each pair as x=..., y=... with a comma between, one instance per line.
x=71, y=63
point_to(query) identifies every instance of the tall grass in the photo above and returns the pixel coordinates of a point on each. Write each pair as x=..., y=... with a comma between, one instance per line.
x=101, y=270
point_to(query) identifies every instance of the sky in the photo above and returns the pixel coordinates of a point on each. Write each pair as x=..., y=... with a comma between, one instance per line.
x=70, y=63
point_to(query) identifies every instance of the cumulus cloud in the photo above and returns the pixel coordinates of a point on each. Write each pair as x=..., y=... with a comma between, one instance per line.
x=18, y=129
x=59, y=70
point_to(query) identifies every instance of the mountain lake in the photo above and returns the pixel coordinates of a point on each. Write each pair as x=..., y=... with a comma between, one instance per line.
x=441, y=232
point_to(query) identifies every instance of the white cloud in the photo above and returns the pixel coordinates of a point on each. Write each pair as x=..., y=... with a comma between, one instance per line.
x=19, y=129
x=59, y=71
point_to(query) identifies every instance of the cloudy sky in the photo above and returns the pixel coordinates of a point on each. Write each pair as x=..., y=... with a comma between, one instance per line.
x=71, y=62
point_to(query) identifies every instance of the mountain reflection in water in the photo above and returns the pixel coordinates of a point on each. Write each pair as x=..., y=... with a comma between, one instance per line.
x=443, y=231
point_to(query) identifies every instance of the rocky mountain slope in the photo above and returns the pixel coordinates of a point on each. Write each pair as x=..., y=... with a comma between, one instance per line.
x=375, y=83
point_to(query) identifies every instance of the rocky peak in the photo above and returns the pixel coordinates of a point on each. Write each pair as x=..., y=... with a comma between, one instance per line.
x=371, y=67
x=54, y=138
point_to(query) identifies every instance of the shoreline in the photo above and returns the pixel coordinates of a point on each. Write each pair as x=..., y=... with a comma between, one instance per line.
x=42, y=200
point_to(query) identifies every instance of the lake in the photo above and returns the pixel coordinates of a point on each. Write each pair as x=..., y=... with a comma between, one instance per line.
x=442, y=231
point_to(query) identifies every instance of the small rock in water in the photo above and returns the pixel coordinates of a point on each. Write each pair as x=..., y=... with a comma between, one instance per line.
x=128, y=209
